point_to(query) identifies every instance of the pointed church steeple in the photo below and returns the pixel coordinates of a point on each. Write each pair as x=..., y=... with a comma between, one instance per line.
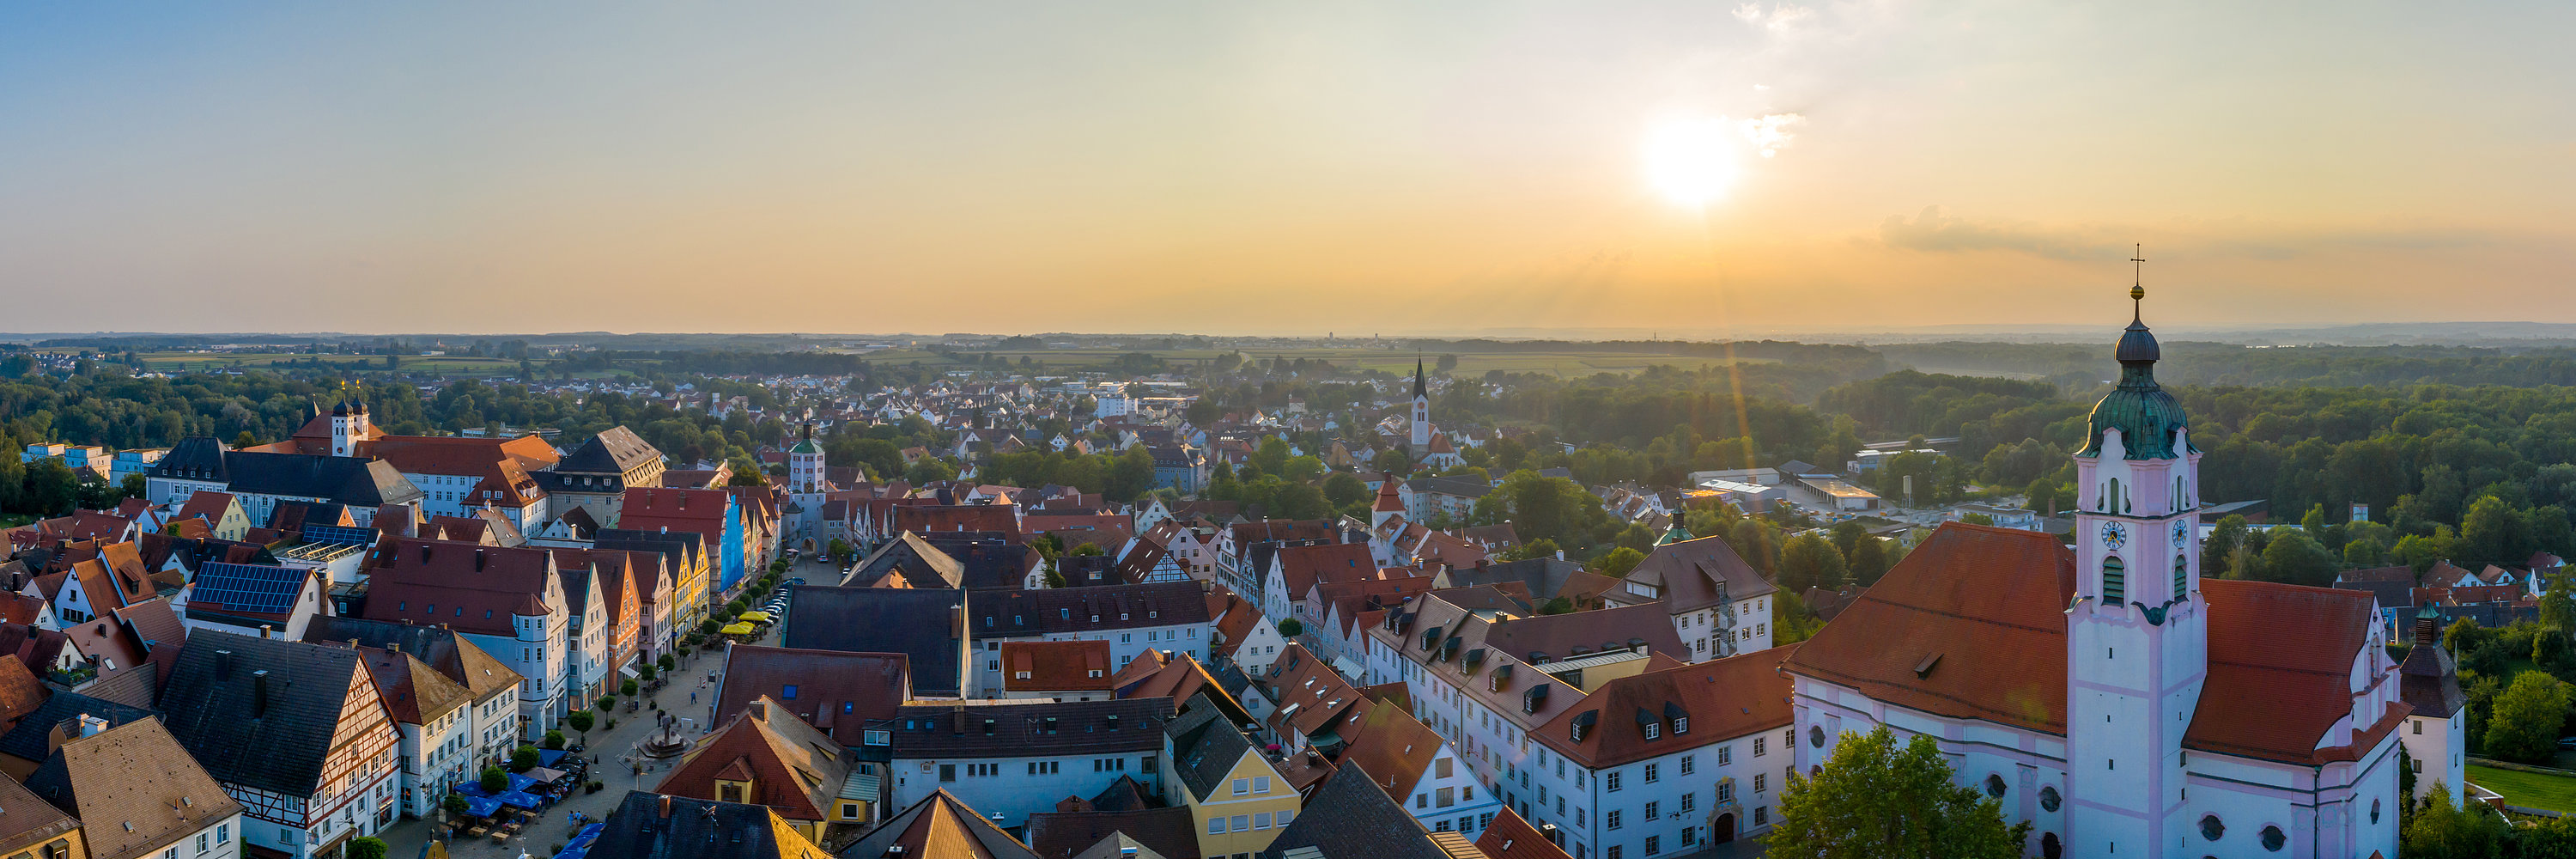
x=1419, y=390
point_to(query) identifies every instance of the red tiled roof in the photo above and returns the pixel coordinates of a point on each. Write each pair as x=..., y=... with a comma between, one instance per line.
x=1722, y=699
x=472, y=588
x=1393, y=749
x=2280, y=670
x=1304, y=566
x=1055, y=666
x=928, y=518
x=1510, y=837
x=1990, y=602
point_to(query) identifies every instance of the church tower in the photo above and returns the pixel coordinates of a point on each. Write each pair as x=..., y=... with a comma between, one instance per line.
x=2136, y=633
x=1420, y=442
x=805, y=464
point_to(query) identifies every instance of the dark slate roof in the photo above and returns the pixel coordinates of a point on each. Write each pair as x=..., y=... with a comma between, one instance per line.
x=280, y=748
x=349, y=480
x=677, y=548
x=1164, y=832
x=612, y=451
x=1017, y=730
x=694, y=829
x=1467, y=487
x=1545, y=577
x=1056, y=611
x=2429, y=681
x=35, y=730
x=1351, y=817
x=196, y=457
x=987, y=559
x=915, y=623
x=442, y=649
x=1204, y=749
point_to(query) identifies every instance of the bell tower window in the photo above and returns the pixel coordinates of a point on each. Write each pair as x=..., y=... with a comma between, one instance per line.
x=2114, y=586
x=2182, y=575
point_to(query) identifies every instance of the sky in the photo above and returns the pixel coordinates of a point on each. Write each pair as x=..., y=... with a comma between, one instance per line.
x=1682, y=168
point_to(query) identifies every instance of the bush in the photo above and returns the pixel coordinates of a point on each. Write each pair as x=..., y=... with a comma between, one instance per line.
x=2526, y=720
x=554, y=741
x=367, y=847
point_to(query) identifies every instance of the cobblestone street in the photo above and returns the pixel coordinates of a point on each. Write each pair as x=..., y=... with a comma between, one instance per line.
x=610, y=749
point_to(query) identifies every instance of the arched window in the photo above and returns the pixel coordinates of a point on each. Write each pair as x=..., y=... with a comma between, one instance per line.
x=2111, y=495
x=2050, y=847
x=2182, y=575
x=2115, y=589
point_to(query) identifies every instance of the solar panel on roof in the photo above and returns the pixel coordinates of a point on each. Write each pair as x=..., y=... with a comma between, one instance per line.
x=248, y=587
x=340, y=534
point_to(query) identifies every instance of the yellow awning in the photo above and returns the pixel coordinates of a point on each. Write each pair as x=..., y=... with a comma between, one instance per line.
x=755, y=616
x=737, y=629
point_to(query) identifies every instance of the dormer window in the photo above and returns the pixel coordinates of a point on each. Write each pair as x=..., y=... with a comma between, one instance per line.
x=1681, y=725
x=1653, y=731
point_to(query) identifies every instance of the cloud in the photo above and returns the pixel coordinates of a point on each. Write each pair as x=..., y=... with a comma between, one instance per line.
x=1934, y=232
x=1770, y=133
x=1781, y=20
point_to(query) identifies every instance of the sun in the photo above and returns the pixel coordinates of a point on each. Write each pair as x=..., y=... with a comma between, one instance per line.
x=1691, y=160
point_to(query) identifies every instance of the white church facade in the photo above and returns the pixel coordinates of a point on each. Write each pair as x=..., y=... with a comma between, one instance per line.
x=2107, y=693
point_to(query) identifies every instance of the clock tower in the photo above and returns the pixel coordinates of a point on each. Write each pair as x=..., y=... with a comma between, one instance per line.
x=2136, y=632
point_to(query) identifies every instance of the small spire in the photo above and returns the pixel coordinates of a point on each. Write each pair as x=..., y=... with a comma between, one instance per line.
x=2138, y=283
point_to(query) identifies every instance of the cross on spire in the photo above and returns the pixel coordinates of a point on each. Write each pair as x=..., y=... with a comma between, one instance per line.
x=2137, y=284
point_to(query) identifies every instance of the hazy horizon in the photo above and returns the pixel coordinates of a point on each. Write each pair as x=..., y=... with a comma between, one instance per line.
x=1284, y=169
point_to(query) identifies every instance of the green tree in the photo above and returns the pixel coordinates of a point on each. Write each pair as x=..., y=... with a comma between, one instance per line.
x=1808, y=560
x=2441, y=830
x=1977, y=519
x=2553, y=838
x=582, y=721
x=2220, y=548
x=1557, y=605
x=366, y=847
x=1291, y=628
x=1344, y=489
x=2298, y=559
x=456, y=805
x=554, y=740
x=523, y=759
x=929, y=469
x=2524, y=726
x=495, y=780
x=607, y=703
x=627, y=688
x=667, y=662
x=2558, y=606
x=2491, y=532
x=1875, y=800
x=1841, y=446
x=1868, y=561
x=1619, y=561
x=1544, y=508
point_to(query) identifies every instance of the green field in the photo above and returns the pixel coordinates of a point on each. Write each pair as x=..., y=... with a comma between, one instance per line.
x=179, y=361
x=1566, y=363
x=2526, y=789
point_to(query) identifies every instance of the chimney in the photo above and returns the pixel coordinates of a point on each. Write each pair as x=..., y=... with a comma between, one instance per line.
x=223, y=665
x=90, y=726
x=259, y=693
x=958, y=714
x=759, y=710
x=665, y=812
x=478, y=560
x=393, y=646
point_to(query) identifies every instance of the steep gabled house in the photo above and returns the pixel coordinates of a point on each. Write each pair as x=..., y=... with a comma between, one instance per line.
x=764, y=755
x=138, y=793
x=297, y=732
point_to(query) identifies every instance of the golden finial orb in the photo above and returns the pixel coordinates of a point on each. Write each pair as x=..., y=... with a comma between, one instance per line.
x=2137, y=293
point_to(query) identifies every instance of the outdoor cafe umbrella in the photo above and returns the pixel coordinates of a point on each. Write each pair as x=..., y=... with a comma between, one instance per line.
x=482, y=806
x=755, y=616
x=548, y=757
x=548, y=775
x=521, y=781
x=521, y=799
x=736, y=629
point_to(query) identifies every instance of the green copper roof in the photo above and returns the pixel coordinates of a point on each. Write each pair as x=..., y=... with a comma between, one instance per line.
x=2145, y=415
x=1676, y=535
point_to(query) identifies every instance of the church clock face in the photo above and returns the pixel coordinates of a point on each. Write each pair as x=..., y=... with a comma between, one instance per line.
x=2182, y=534
x=2114, y=535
